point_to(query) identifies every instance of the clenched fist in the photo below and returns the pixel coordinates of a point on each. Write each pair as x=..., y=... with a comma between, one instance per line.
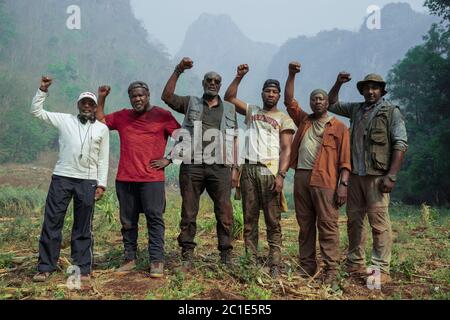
x=46, y=82
x=294, y=67
x=242, y=70
x=344, y=77
x=185, y=63
x=103, y=91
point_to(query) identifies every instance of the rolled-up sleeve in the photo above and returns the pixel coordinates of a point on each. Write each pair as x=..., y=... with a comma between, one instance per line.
x=345, y=154
x=344, y=109
x=179, y=103
x=399, y=136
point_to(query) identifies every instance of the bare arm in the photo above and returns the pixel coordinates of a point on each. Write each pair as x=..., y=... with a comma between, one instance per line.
x=231, y=94
x=387, y=184
x=285, y=155
x=342, y=188
x=168, y=95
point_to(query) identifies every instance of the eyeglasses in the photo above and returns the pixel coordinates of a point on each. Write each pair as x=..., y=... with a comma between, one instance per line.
x=211, y=80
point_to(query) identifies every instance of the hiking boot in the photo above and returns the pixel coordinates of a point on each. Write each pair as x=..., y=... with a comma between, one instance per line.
x=128, y=265
x=385, y=278
x=156, y=269
x=275, y=272
x=330, y=278
x=41, y=276
x=225, y=257
x=85, y=277
x=356, y=270
x=306, y=274
x=187, y=254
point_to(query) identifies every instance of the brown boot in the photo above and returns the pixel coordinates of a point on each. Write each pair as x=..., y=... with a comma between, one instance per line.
x=128, y=266
x=275, y=272
x=330, y=278
x=225, y=257
x=187, y=254
x=41, y=276
x=356, y=270
x=156, y=269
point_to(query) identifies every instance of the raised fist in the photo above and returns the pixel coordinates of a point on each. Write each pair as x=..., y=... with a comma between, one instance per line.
x=103, y=91
x=242, y=70
x=46, y=82
x=185, y=63
x=344, y=77
x=294, y=67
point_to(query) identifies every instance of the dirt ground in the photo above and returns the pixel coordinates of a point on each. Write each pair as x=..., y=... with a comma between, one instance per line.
x=420, y=263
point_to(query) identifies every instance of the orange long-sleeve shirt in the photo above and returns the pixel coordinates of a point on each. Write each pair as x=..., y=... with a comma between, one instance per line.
x=334, y=153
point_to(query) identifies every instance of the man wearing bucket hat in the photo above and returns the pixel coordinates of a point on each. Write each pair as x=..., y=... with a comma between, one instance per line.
x=80, y=174
x=267, y=151
x=378, y=144
x=321, y=159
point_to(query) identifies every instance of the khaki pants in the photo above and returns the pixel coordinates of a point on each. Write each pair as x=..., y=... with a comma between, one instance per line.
x=315, y=207
x=256, y=195
x=365, y=198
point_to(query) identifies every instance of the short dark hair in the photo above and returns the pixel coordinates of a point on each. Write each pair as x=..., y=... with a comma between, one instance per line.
x=138, y=84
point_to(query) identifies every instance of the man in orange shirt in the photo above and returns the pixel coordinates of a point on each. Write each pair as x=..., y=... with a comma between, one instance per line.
x=321, y=158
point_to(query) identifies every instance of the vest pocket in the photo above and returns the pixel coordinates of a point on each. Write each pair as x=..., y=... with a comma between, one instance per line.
x=229, y=121
x=378, y=136
x=380, y=161
x=329, y=141
x=194, y=115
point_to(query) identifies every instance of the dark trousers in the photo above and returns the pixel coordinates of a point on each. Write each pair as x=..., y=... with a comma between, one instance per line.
x=60, y=193
x=216, y=179
x=149, y=198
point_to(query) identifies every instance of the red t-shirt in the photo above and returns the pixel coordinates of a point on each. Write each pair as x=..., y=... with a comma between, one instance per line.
x=143, y=138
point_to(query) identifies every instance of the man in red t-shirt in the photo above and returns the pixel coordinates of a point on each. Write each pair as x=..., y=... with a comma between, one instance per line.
x=143, y=131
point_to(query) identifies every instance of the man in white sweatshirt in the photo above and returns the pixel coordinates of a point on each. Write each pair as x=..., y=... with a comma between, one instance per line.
x=80, y=173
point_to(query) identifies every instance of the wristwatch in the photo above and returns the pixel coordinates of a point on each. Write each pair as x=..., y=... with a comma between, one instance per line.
x=392, y=177
x=169, y=157
x=344, y=183
x=282, y=174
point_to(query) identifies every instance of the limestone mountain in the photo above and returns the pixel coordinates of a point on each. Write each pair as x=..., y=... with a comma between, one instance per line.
x=323, y=56
x=216, y=43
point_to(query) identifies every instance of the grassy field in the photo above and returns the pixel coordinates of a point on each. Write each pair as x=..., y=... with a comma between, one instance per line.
x=420, y=263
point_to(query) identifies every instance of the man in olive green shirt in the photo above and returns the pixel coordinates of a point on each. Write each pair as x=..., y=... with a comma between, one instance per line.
x=378, y=144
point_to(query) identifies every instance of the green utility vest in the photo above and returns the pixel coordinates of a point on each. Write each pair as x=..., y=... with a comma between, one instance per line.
x=228, y=126
x=377, y=141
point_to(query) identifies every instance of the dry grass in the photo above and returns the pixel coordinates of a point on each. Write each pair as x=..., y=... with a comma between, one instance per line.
x=420, y=264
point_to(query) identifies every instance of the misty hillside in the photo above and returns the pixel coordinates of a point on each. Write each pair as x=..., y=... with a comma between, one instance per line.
x=216, y=43
x=112, y=48
x=360, y=53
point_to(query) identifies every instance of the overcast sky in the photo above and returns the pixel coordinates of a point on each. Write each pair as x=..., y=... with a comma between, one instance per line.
x=272, y=21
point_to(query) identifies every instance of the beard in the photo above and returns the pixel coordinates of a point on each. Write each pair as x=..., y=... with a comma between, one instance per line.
x=84, y=117
x=211, y=94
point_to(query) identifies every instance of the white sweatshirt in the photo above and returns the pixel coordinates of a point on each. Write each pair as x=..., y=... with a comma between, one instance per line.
x=83, y=148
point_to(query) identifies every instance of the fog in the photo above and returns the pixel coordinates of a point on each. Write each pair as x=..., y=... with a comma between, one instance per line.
x=261, y=20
